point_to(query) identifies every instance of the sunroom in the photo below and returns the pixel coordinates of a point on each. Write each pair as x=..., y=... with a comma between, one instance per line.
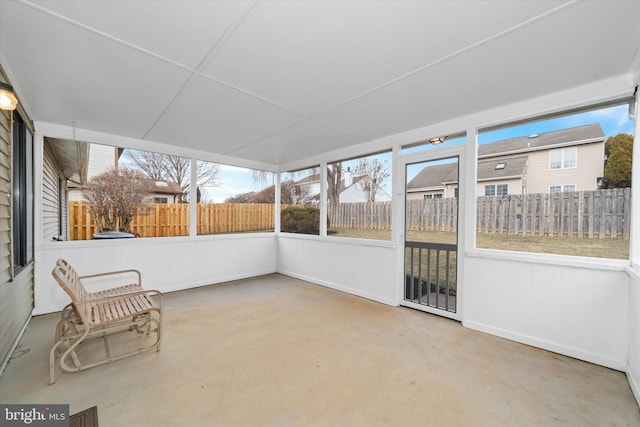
x=491, y=125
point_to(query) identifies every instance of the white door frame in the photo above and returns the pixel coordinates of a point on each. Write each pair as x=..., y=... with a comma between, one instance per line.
x=460, y=151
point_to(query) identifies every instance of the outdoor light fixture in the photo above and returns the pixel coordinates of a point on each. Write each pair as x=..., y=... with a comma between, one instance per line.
x=8, y=100
x=438, y=140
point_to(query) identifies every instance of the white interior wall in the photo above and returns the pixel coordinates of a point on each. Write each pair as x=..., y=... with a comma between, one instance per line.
x=166, y=263
x=633, y=363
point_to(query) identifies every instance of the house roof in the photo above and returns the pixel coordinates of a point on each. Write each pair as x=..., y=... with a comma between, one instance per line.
x=164, y=187
x=433, y=176
x=491, y=169
x=576, y=135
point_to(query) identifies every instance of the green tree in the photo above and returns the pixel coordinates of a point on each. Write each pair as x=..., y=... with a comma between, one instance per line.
x=617, y=169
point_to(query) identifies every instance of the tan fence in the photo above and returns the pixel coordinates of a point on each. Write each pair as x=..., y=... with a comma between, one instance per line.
x=160, y=219
x=593, y=214
x=361, y=215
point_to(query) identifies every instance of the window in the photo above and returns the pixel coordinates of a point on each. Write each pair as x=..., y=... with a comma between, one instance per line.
x=22, y=152
x=235, y=199
x=160, y=200
x=561, y=188
x=540, y=158
x=434, y=196
x=300, y=201
x=359, y=197
x=563, y=158
x=496, y=190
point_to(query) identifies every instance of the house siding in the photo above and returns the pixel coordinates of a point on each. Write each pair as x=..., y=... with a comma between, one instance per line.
x=51, y=198
x=16, y=296
x=589, y=167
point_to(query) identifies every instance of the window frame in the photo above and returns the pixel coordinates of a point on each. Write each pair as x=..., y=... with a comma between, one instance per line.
x=22, y=195
x=563, y=158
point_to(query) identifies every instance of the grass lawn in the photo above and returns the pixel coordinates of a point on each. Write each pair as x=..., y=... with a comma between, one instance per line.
x=598, y=248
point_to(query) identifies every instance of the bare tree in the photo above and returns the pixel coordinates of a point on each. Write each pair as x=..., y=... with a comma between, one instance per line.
x=164, y=167
x=374, y=173
x=113, y=198
x=334, y=182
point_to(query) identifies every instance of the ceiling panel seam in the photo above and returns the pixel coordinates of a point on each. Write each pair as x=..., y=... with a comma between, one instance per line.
x=100, y=33
x=210, y=54
x=455, y=54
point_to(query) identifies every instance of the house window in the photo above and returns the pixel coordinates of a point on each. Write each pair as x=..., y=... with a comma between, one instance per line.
x=496, y=190
x=160, y=200
x=562, y=188
x=456, y=192
x=563, y=158
x=22, y=152
x=433, y=196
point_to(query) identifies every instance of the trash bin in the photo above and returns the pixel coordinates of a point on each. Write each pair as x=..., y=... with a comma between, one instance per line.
x=112, y=235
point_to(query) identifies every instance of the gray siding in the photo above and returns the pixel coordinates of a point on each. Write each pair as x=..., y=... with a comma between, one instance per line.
x=51, y=195
x=16, y=296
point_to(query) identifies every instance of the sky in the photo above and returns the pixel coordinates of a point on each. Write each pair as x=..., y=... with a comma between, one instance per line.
x=232, y=181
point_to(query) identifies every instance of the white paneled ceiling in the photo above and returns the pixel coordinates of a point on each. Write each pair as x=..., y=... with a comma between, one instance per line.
x=280, y=81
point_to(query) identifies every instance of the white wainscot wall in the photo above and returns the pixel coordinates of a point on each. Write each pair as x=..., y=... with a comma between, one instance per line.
x=166, y=264
x=633, y=368
x=360, y=268
x=577, y=311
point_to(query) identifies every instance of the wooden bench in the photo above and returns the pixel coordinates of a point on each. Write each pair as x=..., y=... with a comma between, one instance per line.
x=99, y=315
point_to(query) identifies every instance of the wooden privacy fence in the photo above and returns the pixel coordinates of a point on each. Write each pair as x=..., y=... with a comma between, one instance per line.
x=592, y=214
x=361, y=215
x=172, y=219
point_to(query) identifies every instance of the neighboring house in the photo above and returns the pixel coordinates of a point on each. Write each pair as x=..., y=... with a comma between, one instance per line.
x=163, y=192
x=64, y=166
x=429, y=183
x=351, y=190
x=101, y=158
x=565, y=160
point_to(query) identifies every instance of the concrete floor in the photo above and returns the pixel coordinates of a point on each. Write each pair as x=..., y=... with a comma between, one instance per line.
x=276, y=351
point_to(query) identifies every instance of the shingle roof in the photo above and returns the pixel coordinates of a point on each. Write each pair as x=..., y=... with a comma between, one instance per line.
x=539, y=141
x=514, y=166
x=432, y=176
x=164, y=187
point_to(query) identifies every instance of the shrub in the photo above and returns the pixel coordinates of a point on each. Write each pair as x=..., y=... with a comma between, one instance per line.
x=300, y=219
